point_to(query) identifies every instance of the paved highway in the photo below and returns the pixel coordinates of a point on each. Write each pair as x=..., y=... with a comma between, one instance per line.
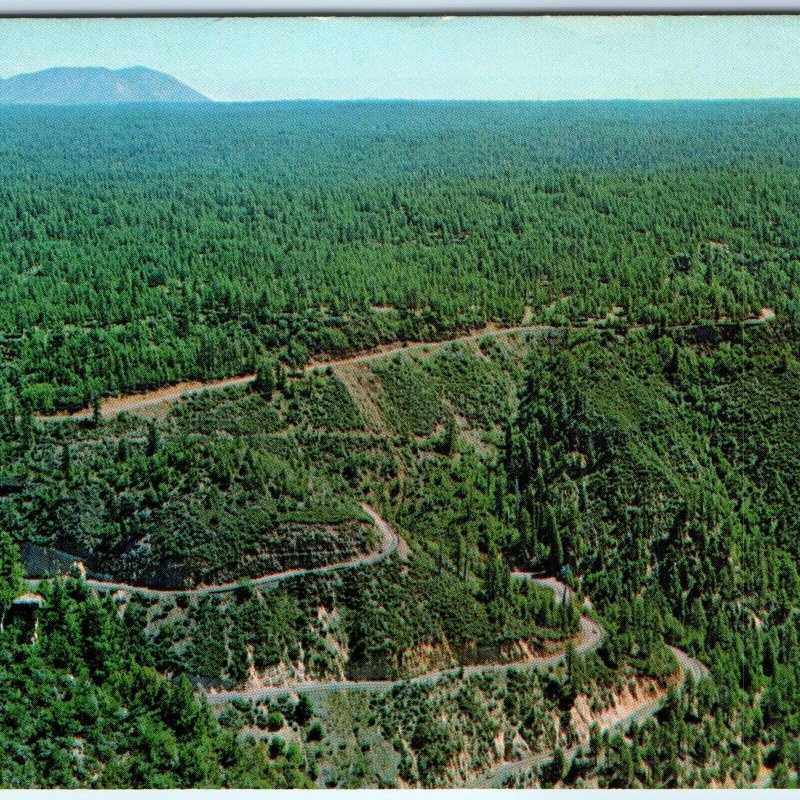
x=498, y=775
x=389, y=543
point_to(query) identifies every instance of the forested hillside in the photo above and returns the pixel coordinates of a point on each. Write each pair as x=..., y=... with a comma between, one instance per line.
x=82, y=706
x=353, y=574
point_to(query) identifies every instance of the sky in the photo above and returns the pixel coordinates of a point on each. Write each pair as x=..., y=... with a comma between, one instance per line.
x=460, y=58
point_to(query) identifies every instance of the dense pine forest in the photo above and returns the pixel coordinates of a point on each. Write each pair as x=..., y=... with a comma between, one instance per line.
x=637, y=439
x=141, y=247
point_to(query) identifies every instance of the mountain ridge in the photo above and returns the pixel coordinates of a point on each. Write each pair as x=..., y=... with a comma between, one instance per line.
x=65, y=86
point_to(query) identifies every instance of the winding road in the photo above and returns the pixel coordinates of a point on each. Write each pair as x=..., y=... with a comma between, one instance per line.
x=113, y=406
x=591, y=634
x=589, y=639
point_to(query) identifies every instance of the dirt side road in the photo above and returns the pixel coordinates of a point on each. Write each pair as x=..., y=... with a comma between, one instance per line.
x=112, y=406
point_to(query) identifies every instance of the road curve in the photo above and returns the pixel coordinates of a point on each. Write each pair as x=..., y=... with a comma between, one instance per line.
x=389, y=543
x=590, y=638
x=112, y=406
x=497, y=776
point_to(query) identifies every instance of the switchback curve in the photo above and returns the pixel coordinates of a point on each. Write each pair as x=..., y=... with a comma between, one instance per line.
x=497, y=776
x=389, y=543
x=592, y=635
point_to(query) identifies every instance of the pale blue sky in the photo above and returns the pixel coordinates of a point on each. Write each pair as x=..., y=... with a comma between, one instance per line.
x=528, y=58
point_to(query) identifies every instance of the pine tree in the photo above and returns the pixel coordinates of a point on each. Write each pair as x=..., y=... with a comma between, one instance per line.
x=557, y=549
x=450, y=437
x=11, y=573
x=569, y=660
x=265, y=378
x=152, y=439
x=9, y=416
x=280, y=377
x=27, y=428
x=595, y=742
x=553, y=772
x=66, y=461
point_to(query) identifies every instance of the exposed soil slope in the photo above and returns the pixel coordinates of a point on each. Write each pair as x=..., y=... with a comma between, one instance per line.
x=497, y=776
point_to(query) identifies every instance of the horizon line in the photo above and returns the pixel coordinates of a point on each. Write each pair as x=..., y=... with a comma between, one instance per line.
x=473, y=100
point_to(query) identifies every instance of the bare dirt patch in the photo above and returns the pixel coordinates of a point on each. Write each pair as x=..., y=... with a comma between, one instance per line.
x=625, y=704
x=364, y=388
x=112, y=406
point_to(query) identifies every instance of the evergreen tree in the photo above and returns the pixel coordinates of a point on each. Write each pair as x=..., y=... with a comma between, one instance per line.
x=152, y=439
x=265, y=378
x=11, y=573
x=66, y=461
x=450, y=436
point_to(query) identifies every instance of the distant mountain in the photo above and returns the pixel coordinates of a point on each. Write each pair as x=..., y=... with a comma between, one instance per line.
x=67, y=86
